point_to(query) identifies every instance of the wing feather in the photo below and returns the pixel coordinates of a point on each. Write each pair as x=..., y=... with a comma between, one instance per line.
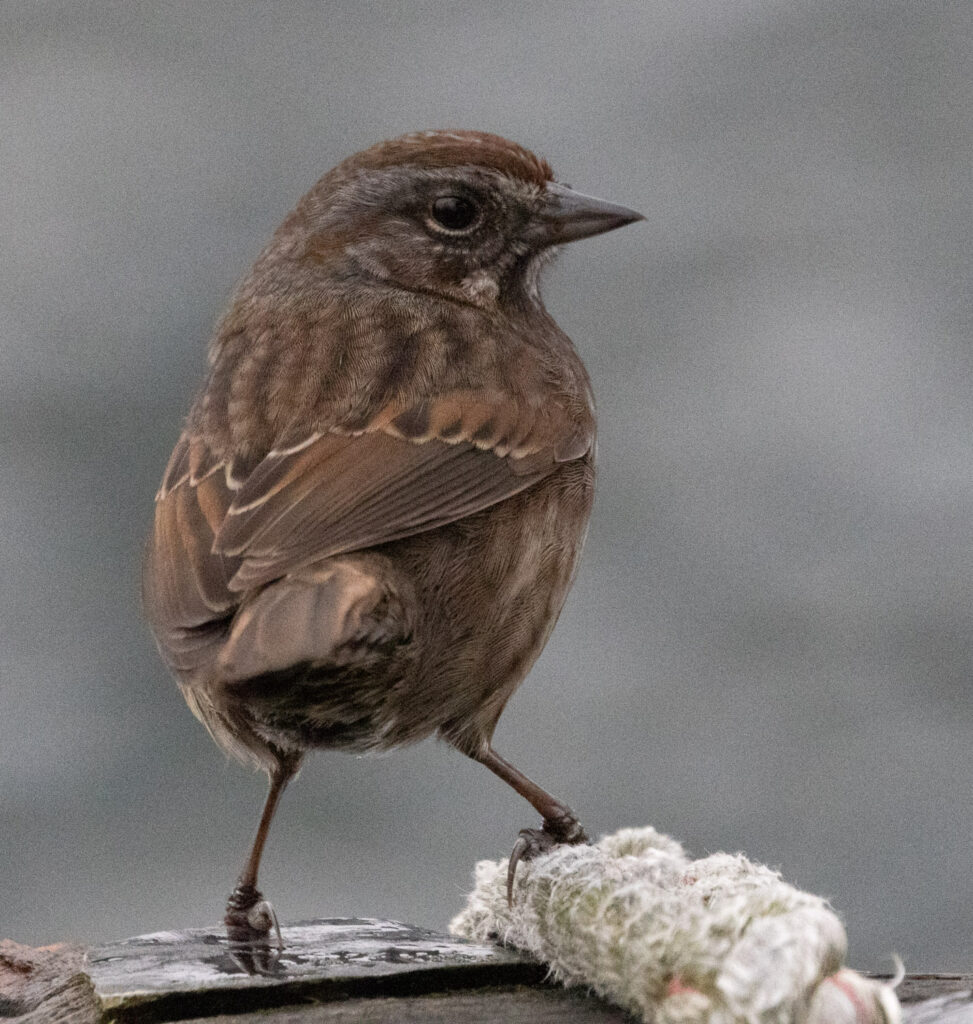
x=379, y=488
x=407, y=470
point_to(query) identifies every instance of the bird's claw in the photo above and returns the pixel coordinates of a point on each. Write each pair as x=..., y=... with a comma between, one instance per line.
x=519, y=853
x=249, y=921
x=262, y=917
x=534, y=841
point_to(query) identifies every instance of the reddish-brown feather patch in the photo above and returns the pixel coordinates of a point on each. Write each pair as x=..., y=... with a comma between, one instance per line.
x=452, y=149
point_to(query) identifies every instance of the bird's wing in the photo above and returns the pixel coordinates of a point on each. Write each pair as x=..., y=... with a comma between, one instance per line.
x=185, y=583
x=220, y=530
x=404, y=472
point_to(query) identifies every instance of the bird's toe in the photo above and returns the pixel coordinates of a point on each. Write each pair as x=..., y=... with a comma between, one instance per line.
x=250, y=920
x=531, y=842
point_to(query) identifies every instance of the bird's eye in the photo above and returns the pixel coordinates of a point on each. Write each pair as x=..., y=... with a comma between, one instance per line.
x=455, y=213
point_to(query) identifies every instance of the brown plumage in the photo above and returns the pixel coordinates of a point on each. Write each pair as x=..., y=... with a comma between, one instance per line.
x=369, y=525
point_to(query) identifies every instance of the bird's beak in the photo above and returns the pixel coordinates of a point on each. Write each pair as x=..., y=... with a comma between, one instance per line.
x=569, y=215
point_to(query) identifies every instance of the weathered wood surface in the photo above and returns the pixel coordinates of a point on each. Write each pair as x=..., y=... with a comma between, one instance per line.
x=339, y=972
x=520, y=1005
x=170, y=975
x=937, y=999
x=44, y=985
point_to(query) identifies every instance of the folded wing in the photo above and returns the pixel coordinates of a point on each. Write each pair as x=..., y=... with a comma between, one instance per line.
x=403, y=472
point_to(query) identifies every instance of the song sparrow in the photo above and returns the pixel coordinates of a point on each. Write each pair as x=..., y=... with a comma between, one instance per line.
x=372, y=518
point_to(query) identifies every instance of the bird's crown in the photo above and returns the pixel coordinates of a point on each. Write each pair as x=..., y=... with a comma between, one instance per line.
x=447, y=148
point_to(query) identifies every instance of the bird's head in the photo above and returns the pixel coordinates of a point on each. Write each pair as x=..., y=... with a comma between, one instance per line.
x=462, y=215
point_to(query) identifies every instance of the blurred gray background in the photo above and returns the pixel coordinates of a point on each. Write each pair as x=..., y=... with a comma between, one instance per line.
x=769, y=644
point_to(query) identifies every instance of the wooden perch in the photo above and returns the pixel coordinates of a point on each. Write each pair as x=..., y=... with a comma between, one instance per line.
x=339, y=971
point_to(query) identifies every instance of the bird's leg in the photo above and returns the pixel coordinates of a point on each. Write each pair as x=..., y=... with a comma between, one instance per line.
x=249, y=916
x=560, y=825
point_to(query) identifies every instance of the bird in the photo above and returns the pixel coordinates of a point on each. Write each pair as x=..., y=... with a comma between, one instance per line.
x=374, y=512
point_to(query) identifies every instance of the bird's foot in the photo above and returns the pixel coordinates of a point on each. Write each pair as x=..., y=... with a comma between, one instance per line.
x=249, y=921
x=531, y=842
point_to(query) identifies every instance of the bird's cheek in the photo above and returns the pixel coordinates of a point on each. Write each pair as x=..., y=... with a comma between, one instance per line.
x=481, y=287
